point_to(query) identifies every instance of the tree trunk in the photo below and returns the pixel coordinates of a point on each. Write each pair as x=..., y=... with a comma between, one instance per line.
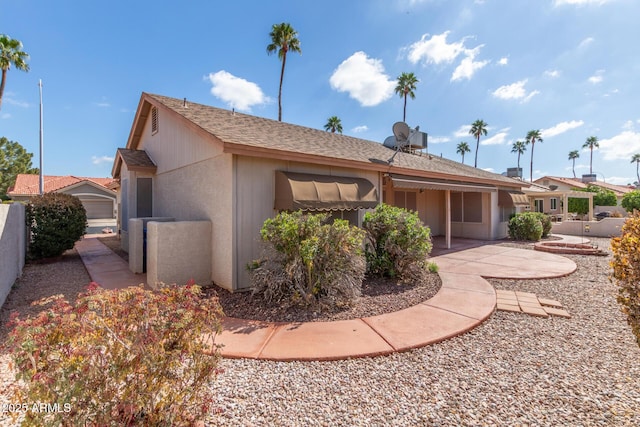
x=531, y=165
x=574, y=168
x=284, y=61
x=404, y=111
x=4, y=79
x=591, y=163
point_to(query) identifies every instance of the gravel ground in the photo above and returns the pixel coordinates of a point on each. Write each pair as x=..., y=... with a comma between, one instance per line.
x=512, y=370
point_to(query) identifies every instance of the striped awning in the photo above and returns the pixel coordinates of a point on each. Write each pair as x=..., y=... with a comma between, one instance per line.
x=512, y=198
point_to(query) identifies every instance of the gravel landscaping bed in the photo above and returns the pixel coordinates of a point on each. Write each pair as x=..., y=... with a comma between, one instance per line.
x=514, y=369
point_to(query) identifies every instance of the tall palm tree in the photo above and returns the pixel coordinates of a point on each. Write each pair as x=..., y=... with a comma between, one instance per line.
x=591, y=143
x=573, y=155
x=11, y=54
x=333, y=124
x=636, y=159
x=284, y=39
x=478, y=128
x=519, y=147
x=532, y=137
x=463, y=147
x=406, y=86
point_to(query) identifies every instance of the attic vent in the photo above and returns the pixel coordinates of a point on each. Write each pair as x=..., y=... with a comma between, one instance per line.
x=154, y=120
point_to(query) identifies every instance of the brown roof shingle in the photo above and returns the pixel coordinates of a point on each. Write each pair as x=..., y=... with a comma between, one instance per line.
x=251, y=132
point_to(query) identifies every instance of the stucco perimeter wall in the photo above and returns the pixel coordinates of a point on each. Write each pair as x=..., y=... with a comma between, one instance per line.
x=136, y=241
x=608, y=227
x=12, y=246
x=178, y=252
x=202, y=191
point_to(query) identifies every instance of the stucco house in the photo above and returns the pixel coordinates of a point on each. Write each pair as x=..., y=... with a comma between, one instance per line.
x=195, y=162
x=96, y=194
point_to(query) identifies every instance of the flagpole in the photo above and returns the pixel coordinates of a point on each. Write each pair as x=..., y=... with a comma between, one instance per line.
x=41, y=142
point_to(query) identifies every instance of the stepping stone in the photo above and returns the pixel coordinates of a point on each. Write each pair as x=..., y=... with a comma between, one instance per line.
x=525, y=294
x=550, y=303
x=557, y=312
x=508, y=307
x=534, y=311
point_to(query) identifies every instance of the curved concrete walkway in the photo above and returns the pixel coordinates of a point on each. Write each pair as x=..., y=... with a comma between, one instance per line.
x=465, y=300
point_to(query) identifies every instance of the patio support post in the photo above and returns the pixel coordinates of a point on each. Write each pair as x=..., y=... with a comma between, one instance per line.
x=590, y=207
x=448, y=217
x=565, y=207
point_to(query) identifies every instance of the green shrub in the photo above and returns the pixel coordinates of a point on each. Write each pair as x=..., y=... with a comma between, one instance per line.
x=56, y=222
x=526, y=226
x=631, y=201
x=433, y=267
x=308, y=261
x=119, y=357
x=626, y=271
x=398, y=243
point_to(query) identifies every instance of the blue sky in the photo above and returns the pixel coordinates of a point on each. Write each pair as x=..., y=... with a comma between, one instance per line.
x=567, y=67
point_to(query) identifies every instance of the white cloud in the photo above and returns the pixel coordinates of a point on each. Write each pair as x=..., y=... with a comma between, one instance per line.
x=497, y=139
x=597, y=77
x=5, y=116
x=561, y=127
x=238, y=93
x=102, y=104
x=620, y=180
x=552, y=73
x=12, y=101
x=628, y=125
x=580, y=2
x=585, y=43
x=462, y=131
x=503, y=61
x=359, y=129
x=438, y=139
x=435, y=50
x=468, y=66
x=621, y=146
x=102, y=159
x=489, y=169
x=515, y=91
x=364, y=79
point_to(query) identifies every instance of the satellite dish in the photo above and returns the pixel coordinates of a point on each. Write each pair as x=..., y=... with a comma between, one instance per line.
x=401, y=131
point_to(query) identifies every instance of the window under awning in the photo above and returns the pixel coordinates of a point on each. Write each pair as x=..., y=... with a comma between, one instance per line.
x=323, y=192
x=512, y=198
x=439, y=184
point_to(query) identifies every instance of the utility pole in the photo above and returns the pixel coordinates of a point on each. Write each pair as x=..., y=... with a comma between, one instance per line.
x=41, y=142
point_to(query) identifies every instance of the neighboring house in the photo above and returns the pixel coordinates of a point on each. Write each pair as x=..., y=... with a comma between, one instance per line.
x=568, y=184
x=554, y=201
x=96, y=195
x=194, y=162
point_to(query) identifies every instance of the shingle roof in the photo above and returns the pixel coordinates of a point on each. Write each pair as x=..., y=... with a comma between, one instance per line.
x=259, y=133
x=136, y=158
x=29, y=184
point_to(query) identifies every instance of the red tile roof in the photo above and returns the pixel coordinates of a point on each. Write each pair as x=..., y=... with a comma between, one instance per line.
x=29, y=184
x=619, y=190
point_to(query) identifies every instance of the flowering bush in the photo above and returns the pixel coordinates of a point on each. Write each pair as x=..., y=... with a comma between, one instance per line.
x=626, y=271
x=309, y=261
x=398, y=243
x=119, y=357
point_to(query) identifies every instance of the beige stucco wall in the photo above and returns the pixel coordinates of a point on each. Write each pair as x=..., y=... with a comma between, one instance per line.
x=607, y=227
x=254, y=202
x=12, y=246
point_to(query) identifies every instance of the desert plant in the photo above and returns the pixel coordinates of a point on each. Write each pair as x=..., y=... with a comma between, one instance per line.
x=56, y=221
x=432, y=267
x=119, y=357
x=398, y=243
x=308, y=261
x=626, y=271
x=526, y=226
x=631, y=201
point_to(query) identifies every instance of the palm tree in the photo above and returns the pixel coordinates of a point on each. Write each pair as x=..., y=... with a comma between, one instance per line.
x=532, y=137
x=573, y=155
x=463, y=147
x=591, y=143
x=478, y=128
x=333, y=124
x=11, y=54
x=283, y=39
x=636, y=159
x=519, y=147
x=406, y=86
